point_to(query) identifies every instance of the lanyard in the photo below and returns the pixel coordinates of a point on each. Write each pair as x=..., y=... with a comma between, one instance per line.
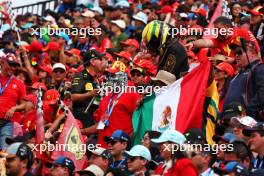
x=119, y=164
x=256, y=163
x=5, y=86
x=109, y=109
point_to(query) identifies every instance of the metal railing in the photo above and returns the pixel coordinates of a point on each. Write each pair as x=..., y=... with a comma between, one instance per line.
x=36, y=8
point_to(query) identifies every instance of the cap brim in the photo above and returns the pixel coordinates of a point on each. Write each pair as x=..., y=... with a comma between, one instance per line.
x=158, y=141
x=248, y=131
x=84, y=172
x=229, y=115
x=138, y=18
x=157, y=79
x=254, y=13
x=136, y=69
x=108, y=139
x=9, y=140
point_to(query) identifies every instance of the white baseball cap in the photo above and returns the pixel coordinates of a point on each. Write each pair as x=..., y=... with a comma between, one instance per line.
x=140, y=16
x=119, y=23
x=88, y=13
x=140, y=150
x=170, y=136
x=246, y=121
x=58, y=65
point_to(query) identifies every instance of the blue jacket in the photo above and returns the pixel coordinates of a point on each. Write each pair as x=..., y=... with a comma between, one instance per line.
x=247, y=88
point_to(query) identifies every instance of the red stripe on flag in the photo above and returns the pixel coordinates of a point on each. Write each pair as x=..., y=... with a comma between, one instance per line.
x=190, y=107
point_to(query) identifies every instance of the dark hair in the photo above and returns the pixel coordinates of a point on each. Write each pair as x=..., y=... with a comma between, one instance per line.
x=154, y=151
x=241, y=150
x=116, y=172
x=223, y=20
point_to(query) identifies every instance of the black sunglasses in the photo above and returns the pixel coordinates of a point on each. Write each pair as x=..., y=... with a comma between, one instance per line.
x=113, y=142
x=238, y=52
x=13, y=64
x=133, y=158
x=59, y=71
x=136, y=74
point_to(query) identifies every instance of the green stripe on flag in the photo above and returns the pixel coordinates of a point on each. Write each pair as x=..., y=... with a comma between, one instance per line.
x=142, y=119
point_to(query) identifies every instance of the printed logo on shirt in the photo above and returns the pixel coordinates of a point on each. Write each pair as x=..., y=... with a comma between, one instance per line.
x=14, y=86
x=88, y=86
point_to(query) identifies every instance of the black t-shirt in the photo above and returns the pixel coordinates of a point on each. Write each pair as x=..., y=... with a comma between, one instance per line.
x=82, y=83
x=174, y=59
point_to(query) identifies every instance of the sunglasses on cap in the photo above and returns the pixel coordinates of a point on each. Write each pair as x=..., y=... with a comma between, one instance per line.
x=238, y=52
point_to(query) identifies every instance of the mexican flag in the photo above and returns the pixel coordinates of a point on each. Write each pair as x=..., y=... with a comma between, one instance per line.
x=179, y=106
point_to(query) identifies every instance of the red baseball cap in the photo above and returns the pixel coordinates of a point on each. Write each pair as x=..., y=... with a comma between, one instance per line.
x=35, y=46
x=32, y=98
x=46, y=68
x=74, y=51
x=132, y=42
x=38, y=85
x=201, y=11
x=223, y=66
x=256, y=11
x=124, y=54
x=109, y=57
x=165, y=9
x=52, y=46
x=51, y=96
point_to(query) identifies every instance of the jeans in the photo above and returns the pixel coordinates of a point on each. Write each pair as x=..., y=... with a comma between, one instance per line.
x=6, y=131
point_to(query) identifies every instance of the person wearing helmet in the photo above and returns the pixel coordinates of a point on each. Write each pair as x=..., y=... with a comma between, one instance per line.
x=159, y=41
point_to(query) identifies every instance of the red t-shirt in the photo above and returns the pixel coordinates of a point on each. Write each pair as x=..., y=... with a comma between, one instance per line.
x=224, y=45
x=14, y=92
x=182, y=167
x=121, y=117
x=29, y=122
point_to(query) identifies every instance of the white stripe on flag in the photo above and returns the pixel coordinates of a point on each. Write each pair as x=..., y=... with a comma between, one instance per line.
x=165, y=107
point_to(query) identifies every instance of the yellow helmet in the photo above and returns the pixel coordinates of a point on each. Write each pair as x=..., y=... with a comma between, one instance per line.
x=155, y=35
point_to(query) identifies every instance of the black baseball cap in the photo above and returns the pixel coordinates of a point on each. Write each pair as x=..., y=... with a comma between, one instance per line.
x=259, y=126
x=65, y=162
x=91, y=54
x=232, y=110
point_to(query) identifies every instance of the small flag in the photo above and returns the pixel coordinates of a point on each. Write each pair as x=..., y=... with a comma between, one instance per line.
x=40, y=136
